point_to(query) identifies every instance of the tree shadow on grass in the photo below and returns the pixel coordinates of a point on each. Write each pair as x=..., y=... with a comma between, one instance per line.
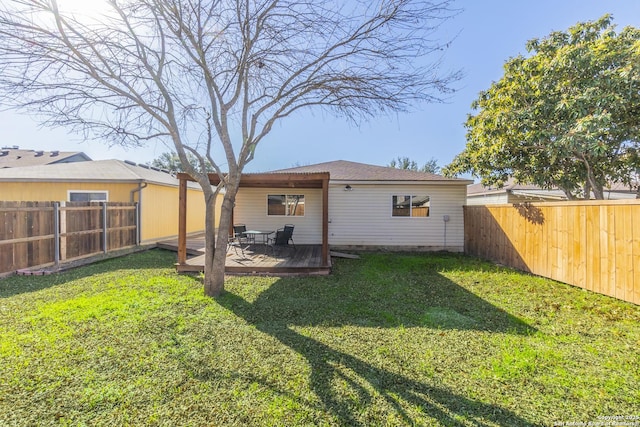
x=399, y=291
x=436, y=302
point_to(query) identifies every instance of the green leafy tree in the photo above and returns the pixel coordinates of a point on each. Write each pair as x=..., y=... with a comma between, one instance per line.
x=431, y=166
x=567, y=116
x=212, y=77
x=172, y=162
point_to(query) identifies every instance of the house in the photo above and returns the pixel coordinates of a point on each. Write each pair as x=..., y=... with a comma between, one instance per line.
x=369, y=207
x=156, y=191
x=512, y=192
x=14, y=157
x=349, y=205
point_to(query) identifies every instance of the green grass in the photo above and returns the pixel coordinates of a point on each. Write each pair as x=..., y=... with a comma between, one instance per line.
x=390, y=339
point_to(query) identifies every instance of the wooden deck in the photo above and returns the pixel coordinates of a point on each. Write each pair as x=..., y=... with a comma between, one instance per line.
x=195, y=245
x=257, y=259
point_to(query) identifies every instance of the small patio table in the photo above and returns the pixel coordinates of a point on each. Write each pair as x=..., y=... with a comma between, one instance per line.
x=264, y=234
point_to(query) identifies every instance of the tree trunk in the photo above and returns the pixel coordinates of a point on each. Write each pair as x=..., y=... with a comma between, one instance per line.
x=596, y=187
x=598, y=191
x=211, y=286
x=215, y=263
x=587, y=190
x=567, y=193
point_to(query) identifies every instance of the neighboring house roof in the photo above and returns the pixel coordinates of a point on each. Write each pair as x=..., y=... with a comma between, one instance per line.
x=342, y=170
x=524, y=191
x=622, y=191
x=617, y=191
x=509, y=186
x=14, y=157
x=92, y=171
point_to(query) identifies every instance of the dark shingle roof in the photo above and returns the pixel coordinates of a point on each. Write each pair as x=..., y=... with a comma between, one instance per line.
x=342, y=170
x=11, y=157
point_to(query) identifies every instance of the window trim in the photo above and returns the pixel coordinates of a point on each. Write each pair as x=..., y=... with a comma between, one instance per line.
x=105, y=192
x=411, y=195
x=286, y=195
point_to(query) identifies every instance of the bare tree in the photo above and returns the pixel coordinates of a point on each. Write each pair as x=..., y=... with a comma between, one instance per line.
x=211, y=77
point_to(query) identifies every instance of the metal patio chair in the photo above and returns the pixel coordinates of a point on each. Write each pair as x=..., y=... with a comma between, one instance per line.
x=288, y=229
x=282, y=238
x=239, y=240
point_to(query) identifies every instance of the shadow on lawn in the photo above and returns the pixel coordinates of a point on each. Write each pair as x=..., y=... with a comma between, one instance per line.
x=436, y=302
x=414, y=297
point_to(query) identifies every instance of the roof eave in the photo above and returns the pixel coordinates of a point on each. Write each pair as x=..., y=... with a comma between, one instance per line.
x=95, y=181
x=401, y=182
x=291, y=180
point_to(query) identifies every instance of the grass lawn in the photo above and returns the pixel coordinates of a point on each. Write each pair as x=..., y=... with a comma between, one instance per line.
x=390, y=339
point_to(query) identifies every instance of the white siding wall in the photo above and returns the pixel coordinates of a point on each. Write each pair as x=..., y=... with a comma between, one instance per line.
x=362, y=217
x=488, y=199
x=251, y=209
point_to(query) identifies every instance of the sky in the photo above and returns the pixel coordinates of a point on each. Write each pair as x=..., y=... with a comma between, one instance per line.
x=485, y=34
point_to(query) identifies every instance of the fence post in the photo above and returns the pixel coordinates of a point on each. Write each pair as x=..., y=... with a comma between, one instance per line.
x=104, y=227
x=56, y=234
x=63, y=231
x=138, y=231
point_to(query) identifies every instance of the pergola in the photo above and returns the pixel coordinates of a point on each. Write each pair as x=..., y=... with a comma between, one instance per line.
x=261, y=180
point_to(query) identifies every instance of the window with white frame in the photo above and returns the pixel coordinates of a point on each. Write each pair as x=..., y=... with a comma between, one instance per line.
x=88, y=196
x=410, y=206
x=285, y=205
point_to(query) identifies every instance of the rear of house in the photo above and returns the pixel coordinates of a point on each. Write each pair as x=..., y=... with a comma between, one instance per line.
x=369, y=207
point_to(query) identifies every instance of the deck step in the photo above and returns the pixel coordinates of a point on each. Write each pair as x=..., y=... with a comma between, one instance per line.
x=343, y=255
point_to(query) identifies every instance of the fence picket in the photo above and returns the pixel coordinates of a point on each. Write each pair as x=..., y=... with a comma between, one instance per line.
x=28, y=232
x=591, y=244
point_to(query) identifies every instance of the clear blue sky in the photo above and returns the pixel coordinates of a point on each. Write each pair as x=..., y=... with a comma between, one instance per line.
x=488, y=33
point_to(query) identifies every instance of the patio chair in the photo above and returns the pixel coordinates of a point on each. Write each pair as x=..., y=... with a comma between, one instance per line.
x=234, y=243
x=288, y=229
x=282, y=238
x=239, y=240
x=239, y=231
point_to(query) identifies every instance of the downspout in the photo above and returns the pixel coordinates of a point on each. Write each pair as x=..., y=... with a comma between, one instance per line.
x=138, y=190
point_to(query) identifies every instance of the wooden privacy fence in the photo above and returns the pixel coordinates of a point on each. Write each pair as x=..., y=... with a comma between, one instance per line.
x=38, y=234
x=591, y=244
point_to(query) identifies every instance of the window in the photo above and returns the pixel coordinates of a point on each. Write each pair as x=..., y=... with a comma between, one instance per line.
x=285, y=204
x=410, y=206
x=88, y=196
